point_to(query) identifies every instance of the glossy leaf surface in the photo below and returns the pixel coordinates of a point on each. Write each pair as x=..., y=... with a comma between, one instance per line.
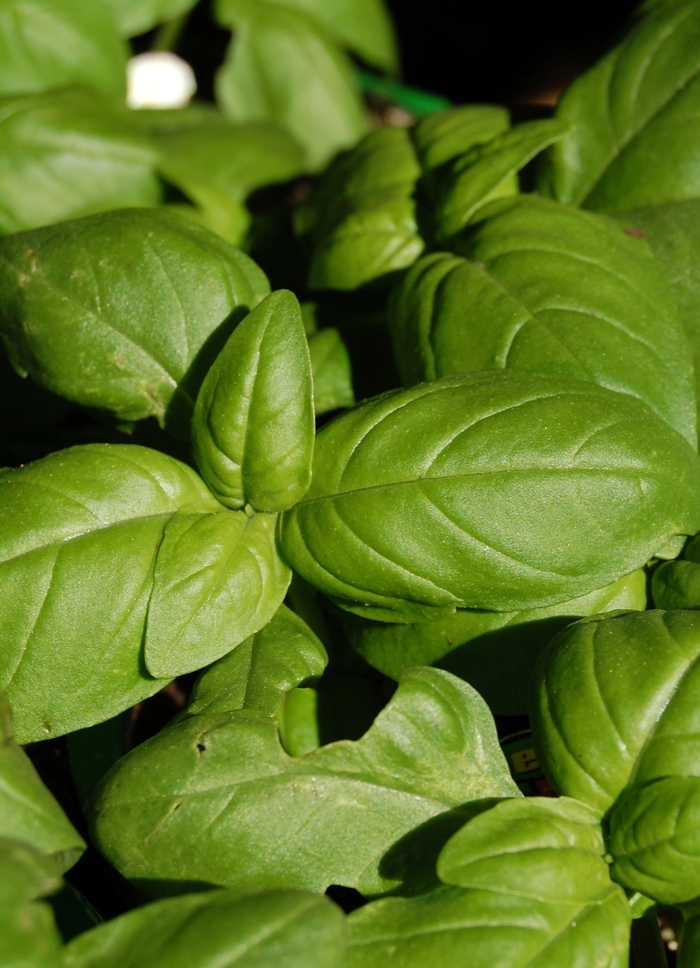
x=28, y=934
x=28, y=811
x=533, y=890
x=253, y=426
x=361, y=217
x=258, y=673
x=485, y=172
x=218, y=579
x=362, y=25
x=550, y=289
x=615, y=709
x=673, y=235
x=69, y=153
x=330, y=367
x=218, y=929
x=442, y=136
x=124, y=311
x=498, y=490
x=227, y=806
x=282, y=66
x=495, y=652
x=46, y=45
x=634, y=136
x=82, y=586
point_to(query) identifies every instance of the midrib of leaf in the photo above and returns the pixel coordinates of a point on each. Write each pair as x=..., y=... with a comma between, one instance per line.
x=617, y=147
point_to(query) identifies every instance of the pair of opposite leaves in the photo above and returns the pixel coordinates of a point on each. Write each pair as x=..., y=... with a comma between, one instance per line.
x=186, y=577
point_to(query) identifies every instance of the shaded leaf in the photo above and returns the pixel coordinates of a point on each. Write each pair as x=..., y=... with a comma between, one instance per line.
x=69, y=153
x=330, y=367
x=28, y=934
x=549, y=289
x=442, y=136
x=124, y=311
x=227, y=806
x=634, y=136
x=258, y=673
x=28, y=811
x=275, y=929
x=253, y=425
x=495, y=652
x=137, y=16
x=467, y=492
x=45, y=45
x=282, y=66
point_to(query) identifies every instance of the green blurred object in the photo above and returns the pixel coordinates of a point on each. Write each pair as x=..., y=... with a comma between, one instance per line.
x=412, y=99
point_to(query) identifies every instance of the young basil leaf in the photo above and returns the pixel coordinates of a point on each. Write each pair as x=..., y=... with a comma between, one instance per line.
x=253, y=425
x=282, y=66
x=28, y=934
x=81, y=533
x=673, y=235
x=28, y=811
x=676, y=584
x=227, y=806
x=258, y=673
x=361, y=218
x=654, y=838
x=330, y=368
x=442, y=136
x=486, y=172
x=600, y=309
x=218, y=164
x=138, y=16
x=217, y=580
x=533, y=891
x=495, y=652
x=46, y=45
x=123, y=311
x=298, y=717
x=634, y=138
x=614, y=701
x=362, y=25
x=468, y=492
x=49, y=146
x=218, y=929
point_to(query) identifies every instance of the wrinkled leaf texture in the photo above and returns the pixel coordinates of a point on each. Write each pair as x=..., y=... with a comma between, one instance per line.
x=499, y=490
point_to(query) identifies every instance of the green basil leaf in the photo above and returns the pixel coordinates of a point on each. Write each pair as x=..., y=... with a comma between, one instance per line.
x=634, y=138
x=676, y=584
x=253, y=425
x=600, y=308
x=70, y=153
x=362, y=25
x=533, y=890
x=690, y=946
x=654, y=838
x=227, y=806
x=331, y=371
x=28, y=934
x=673, y=234
x=217, y=580
x=218, y=164
x=218, y=929
x=282, y=66
x=614, y=702
x=442, y=136
x=73, y=913
x=300, y=731
x=138, y=16
x=495, y=652
x=467, y=492
x=81, y=531
x=123, y=311
x=28, y=811
x=486, y=172
x=46, y=45
x=258, y=673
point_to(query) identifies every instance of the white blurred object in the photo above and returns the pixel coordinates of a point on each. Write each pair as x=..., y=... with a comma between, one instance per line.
x=159, y=79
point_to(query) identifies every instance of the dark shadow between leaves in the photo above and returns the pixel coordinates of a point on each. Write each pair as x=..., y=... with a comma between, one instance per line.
x=156, y=888
x=413, y=858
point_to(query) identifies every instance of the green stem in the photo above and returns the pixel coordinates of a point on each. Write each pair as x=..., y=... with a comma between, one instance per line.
x=648, y=949
x=168, y=35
